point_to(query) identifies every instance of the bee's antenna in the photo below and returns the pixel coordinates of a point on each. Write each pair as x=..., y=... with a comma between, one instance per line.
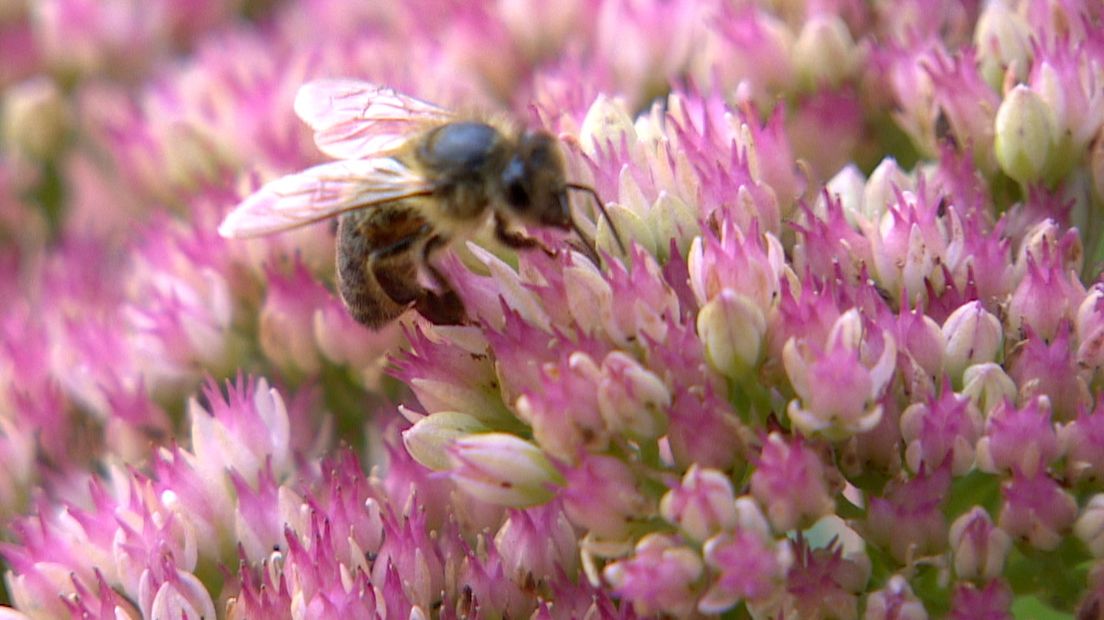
x=602, y=209
x=585, y=241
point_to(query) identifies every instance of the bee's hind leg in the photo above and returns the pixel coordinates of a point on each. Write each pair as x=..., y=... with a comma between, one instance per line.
x=375, y=290
x=395, y=270
x=441, y=306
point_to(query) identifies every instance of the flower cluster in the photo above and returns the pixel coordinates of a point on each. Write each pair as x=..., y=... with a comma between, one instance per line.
x=839, y=350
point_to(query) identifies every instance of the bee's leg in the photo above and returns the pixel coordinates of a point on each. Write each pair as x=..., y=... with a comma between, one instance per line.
x=395, y=270
x=401, y=246
x=441, y=306
x=517, y=240
x=373, y=295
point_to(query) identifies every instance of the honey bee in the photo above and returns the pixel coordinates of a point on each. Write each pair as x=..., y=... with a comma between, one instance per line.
x=410, y=177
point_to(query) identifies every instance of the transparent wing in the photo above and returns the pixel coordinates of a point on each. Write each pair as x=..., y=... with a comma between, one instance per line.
x=322, y=192
x=353, y=119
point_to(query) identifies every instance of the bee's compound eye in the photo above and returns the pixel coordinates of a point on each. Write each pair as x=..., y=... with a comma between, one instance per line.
x=517, y=196
x=513, y=182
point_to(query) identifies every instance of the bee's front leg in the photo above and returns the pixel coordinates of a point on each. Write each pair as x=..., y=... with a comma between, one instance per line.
x=516, y=240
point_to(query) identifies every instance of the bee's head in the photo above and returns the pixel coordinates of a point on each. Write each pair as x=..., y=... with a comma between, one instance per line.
x=533, y=181
x=535, y=188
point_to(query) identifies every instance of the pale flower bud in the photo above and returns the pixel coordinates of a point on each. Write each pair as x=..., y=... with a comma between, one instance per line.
x=1024, y=131
x=631, y=398
x=973, y=336
x=849, y=187
x=428, y=440
x=658, y=578
x=838, y=386
x=181, y=596
x=630, y=227
x=671, y=218
x=1002, y=39
x=35, y=119
x=1089, y=325
x=732, y=328
x=1090, y=525
x=502, y=469
x=895, y=601
x=882, y=187
x=979, y=547
x=987, y=385
x=702, y=505
x=825, y=54
x=607, y=122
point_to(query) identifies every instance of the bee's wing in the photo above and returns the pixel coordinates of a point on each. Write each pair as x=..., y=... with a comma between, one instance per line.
x=321, y=192
x=353, y=119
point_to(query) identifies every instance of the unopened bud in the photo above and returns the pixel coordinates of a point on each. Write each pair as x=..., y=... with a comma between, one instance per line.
x=732, y=328
x=35, y=119
x=824, y=53
x=1024, y=128
x=882, y=187
x=631, y=398
x=606, y=124
x=979, y=547
x=502, y=469
x=428, y=440
x=973, y=336
x=1090, y=525
x=987, y=385
x=1002, y=39
x=704, y=504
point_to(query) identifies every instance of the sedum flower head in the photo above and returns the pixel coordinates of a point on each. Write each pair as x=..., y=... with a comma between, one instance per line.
x=826, y=341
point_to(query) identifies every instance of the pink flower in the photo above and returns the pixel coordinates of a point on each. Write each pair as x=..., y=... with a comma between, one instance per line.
x=921, y=345
x=858, y=248
x=297, y=322
x=1042, y=368
x=1036, y=510
x=1047, y=295
x=791, y=482
x=658, y=578
x=757, y=46
x=1089, y=329
x=1082, y=442
x=169, y=593
x=452, y=374
x=705, y=430
x=564, y=412
x=968, y=103
x=819, y=582
x=1019, y=440
x=835, y=116
x=85, y=37
x=408, y=549
x=537, y=544
x=748, y=264
x=992, y=602
x=907, y=518
x=1064, y=76
x=702, y=505
x=750, y=567
x=896, y=601
x=941, y=431
x=979, y=547
x=601, y=495
x=838, y=383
